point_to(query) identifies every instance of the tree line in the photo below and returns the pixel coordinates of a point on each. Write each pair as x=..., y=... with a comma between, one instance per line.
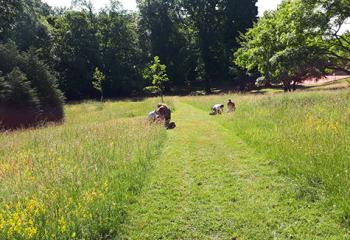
x=194, y=39
x=80, y=53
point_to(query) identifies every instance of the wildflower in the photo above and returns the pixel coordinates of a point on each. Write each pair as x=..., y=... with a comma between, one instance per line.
x=2, y=221
x=32, y=207
x=62, y=225
x=31, y=231
x=15, y=223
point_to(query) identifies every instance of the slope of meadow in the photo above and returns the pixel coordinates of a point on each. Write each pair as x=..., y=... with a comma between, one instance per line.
x=306, y=135
x=277, y=168
x=209, y=184
x=74, y=181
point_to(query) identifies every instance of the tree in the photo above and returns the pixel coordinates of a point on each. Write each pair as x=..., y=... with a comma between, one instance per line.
x=76, y=51
x=9, y=11
x=19, y=103
x=163, y=33
x=87, y=7
x=217, y=25
x=282, y=46
x=195, y=39
x=29, y=92
x=97, y=80
x=157, y=74
x=295, y=42
x=16, y=91
x=121, y=57
x=24, y=23
x=336, y=46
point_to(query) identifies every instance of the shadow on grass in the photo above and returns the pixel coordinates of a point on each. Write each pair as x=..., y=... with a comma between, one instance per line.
x=20, y=118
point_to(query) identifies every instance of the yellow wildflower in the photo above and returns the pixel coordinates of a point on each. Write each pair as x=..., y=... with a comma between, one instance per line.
x=2, y=221
x=62, y=225
x=31, y=231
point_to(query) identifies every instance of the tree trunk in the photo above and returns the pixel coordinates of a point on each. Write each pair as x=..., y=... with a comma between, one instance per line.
x=286, y=86
x=162, y=96
x=294, y=86
x=207, y=80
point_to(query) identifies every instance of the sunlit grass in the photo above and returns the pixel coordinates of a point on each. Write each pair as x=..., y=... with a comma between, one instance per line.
x=334, y=85
x=74, y=181
x=324, y=86
x=97, y=111
x=307, y=135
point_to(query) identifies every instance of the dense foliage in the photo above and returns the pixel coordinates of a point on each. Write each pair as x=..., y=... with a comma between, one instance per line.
x=197, y=40
x=28, y=90
x=194, y=39
x=217, y=25
x=157, y=74
x=301, y=39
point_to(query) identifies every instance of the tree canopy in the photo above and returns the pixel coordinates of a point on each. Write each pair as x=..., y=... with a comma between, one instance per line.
x=195, y=40
x=301, y=39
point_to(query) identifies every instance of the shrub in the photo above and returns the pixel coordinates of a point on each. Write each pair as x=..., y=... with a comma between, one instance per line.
x=28, y=90
x=16, y=90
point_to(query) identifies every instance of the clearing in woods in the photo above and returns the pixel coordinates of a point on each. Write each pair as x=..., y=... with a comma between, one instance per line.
x=208, y=184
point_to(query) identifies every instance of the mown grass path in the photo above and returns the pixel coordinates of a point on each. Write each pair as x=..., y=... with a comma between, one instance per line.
x=208, y=184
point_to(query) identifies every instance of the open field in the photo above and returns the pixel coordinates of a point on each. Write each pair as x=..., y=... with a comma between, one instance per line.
x=327, y=79
x=339, y=84
x=278, y=168
x=332, y=85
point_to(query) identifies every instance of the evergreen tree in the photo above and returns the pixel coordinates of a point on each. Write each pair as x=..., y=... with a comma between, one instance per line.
x=29, y=92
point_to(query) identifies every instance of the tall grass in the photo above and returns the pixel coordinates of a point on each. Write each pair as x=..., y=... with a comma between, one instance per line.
x=306, y=134
x=75, y=181
x=91, y=111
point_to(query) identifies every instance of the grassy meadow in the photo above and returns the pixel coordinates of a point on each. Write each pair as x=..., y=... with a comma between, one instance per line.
x=107, y=174
x=74, y=181
x=306, y=134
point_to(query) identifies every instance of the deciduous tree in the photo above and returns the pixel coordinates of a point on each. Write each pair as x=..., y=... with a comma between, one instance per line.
x=97, y=80
x=157, y=74
x=286, y=45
